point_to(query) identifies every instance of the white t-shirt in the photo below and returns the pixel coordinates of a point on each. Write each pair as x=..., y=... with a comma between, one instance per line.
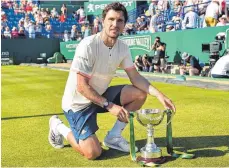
x=93, y=59
x=221, y=66
x=212, y=10
x=81, y=12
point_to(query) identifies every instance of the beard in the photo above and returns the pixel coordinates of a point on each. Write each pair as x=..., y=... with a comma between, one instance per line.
x=110, y=35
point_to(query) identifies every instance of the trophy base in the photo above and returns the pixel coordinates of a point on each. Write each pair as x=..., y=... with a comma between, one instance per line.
x=154, y=153
x=159, y=160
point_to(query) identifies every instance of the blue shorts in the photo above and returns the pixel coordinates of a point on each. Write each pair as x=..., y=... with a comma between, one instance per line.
x=83, y=123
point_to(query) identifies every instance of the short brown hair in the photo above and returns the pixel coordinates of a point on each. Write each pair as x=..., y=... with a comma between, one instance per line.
x=116, y=6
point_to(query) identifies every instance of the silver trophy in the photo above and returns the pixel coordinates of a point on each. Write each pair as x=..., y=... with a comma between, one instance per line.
x=150, y=118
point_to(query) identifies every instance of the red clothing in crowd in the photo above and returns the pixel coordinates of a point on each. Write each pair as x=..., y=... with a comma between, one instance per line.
x=62, y=18
x=223, y=4
x=29, y=8
x=14, y=33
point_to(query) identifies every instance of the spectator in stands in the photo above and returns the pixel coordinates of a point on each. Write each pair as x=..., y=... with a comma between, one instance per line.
x=2, y=31
x=54, y=13
x=202, y=10
x=31, y=29
x=203, y=6
x=78, y=36
x=129, y=29
x=138, y=63
x=153, y=26
x=222, y=21
x=177, y=6
x=64, y=9
x=42, y=12
x=163, y=5
x=221, y=68
x=45, y=16
x=17, y=9
x=62, y=18
x=87, y=30
x=159, y=56
x=4, y=5
x=97, y=26
x=83, y=29
x=153, y=7
x=14, y=32
x=66, y=36
x=4, y=23
x=21, y=33
x=3, y=16
x=49, y=32
x=35, y=8
x=188, y=5
x=96, y=20
x=21, y=24
x=7, y=33
x=48, y=11
x=138, y=22
x=212, y=13
x=73, y=32
x=178, y=21
x=38, y=30
x=26, y=23
x=29, y=8
x=23, y=7
x=142, y=24
x=75, y=16
x=39, y=19
x=81, y=15
x=190, y=20
x=193, y=69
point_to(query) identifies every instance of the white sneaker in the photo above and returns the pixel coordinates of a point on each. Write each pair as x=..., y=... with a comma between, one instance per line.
x=118, y=143
x=54, y=137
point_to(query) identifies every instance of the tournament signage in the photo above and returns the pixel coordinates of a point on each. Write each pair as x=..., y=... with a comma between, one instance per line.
x=68, y=49
x=138, y=42
x=96, y=7
x=5, y=58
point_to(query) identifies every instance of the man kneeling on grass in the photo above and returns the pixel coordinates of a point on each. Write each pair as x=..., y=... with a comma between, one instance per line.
x=87, y=93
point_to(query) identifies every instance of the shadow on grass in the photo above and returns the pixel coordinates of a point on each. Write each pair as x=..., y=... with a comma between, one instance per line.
x=107, y=153
x=111, y=154
x=32, y=116
x=200, y=146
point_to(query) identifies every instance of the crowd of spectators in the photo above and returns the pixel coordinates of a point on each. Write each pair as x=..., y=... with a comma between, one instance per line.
x=25, y=18
x=168, y=15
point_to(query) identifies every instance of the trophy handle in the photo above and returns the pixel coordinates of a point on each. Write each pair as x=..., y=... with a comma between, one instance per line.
x=171, y=114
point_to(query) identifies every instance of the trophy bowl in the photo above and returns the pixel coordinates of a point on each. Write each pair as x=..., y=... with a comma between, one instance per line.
x=150, y=118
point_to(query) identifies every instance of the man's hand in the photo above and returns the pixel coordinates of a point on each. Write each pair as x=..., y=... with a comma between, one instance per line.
x=120, y=112
x=166, y=102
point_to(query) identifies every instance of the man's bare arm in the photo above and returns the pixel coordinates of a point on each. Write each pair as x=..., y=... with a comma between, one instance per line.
x=140, y=82
x=87, y=91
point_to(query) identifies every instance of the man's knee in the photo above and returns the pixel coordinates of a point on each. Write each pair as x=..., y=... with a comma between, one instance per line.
x=92, y=154
x=141, y=94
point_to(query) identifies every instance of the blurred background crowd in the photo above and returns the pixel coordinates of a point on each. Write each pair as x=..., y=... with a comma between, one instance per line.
x=27, y=19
